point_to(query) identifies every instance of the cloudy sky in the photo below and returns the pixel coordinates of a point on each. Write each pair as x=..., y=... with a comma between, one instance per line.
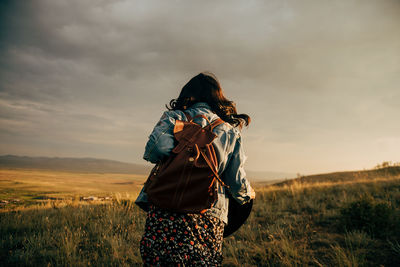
x=320, y=79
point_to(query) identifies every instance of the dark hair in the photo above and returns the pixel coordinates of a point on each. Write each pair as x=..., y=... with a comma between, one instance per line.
x=205, y=87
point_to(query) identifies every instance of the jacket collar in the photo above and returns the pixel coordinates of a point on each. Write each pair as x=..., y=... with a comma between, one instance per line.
x=200, y=105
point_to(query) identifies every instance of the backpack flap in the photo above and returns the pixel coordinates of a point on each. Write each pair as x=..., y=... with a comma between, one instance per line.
x=183, y=132
x=189, y=134
x=209, y=152
x=201, y=162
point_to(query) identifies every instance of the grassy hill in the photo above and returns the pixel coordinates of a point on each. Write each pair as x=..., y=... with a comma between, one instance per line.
x=95, y=165
x=349, y=176
x=336, y=219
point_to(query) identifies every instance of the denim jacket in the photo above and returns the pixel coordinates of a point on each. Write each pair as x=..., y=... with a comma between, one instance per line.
x=228, y=148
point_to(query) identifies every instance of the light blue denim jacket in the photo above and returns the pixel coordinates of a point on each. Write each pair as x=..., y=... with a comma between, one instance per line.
x=228, y=148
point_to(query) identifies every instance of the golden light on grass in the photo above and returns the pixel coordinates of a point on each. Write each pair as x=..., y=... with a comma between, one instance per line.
x=295, y=223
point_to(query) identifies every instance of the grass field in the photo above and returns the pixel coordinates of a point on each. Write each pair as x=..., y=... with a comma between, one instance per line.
x=24, y=187
x=306, y=222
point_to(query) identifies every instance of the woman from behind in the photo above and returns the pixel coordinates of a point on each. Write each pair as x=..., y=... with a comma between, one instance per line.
x=195, y=239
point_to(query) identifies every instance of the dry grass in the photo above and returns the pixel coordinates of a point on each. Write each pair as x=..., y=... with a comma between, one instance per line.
x=68, y=182
x=294, y=224
x=29, y=187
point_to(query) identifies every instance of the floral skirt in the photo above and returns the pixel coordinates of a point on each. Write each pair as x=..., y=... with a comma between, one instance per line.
x=176, y=239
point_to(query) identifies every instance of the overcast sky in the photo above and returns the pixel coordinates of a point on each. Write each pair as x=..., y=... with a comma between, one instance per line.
x=320, y=79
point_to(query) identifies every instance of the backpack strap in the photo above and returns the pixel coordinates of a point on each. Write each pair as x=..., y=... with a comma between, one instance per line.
x=188, y=117
x=215, y=123
x=204, y=117
x=211, y=125
x=212, y=169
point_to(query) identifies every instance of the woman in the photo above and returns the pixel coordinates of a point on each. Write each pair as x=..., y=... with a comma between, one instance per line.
x=196, y=239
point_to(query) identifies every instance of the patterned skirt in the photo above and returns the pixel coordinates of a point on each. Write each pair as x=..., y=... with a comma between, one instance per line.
x=176, y=239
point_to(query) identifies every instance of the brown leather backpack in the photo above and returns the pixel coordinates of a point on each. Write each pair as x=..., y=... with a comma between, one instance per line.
x=187, y=180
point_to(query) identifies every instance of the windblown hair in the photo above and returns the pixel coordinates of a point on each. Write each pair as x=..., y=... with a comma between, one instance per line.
x=205, y=87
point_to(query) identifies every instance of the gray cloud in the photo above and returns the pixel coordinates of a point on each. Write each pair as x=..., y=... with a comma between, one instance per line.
x=90, y=78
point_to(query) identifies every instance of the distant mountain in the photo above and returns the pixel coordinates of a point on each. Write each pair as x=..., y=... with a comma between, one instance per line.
x=90, y=165
x=95, y=165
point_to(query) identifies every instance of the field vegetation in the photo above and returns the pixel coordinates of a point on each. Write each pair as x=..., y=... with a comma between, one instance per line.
x=338, y=219
x=27, y=187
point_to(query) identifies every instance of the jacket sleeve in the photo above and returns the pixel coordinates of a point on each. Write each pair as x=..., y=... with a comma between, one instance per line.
x=235, y=175
x=161, y=140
